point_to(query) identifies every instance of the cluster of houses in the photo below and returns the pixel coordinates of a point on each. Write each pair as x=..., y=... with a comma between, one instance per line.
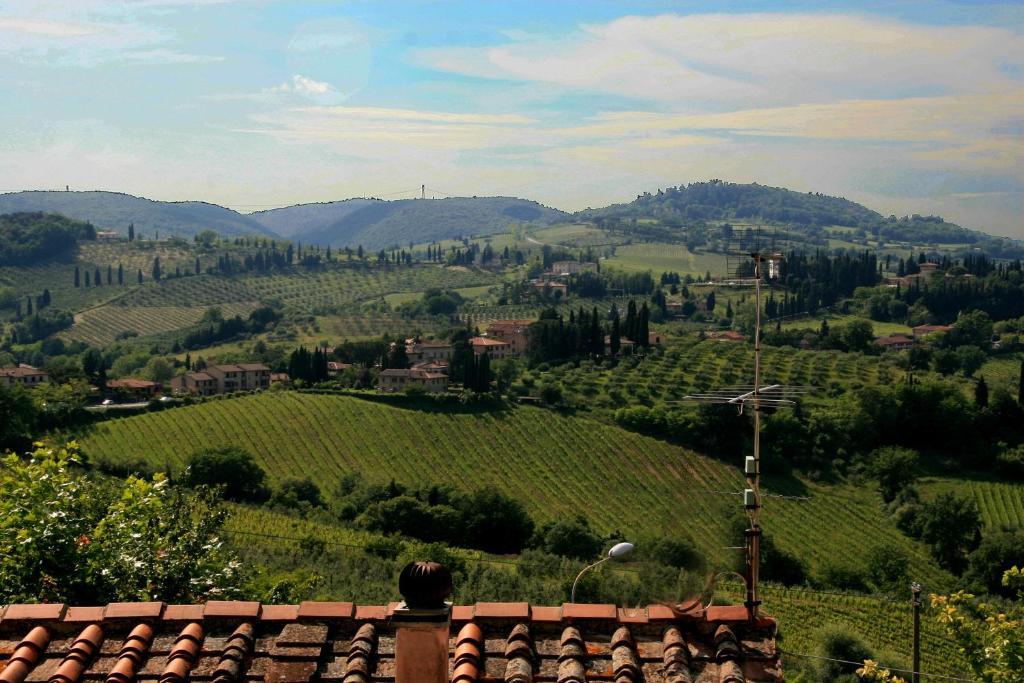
x=902, y=342
x=223, y=379
x=552, y=283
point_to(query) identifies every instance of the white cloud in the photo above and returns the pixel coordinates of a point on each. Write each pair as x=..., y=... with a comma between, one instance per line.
x=46, y=27
x=706, y=62
x=307, y=86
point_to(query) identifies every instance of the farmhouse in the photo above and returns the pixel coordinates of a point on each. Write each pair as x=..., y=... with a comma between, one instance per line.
x=397, y=379
x=515, y=332
x=24, y=375
x=135, y=389
x=495, y=348
x=421, y=639
x=195, y=383
x=334, y=368
x=282, y=378
x=626, y=346
x=895, y=342
x=107, y=235
x=727, y=335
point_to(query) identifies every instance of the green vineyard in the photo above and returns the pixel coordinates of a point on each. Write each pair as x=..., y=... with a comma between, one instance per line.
x=557, y=465
x=101, y=325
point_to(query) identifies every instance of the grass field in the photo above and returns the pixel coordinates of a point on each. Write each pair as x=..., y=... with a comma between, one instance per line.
x=1001, y=504
x=659, y=257
x=880, y=328
x=1002, y=372
x=557, y=465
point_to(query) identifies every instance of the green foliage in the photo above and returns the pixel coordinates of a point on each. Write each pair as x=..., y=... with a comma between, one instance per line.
x=998, y=552
x=990, y=638
x=895, y=468
x=950, y=525
x=570, y=538
x=835, y=643
x=67, y=538
x=19, y=423
x=230, y=467
x=27, y=238
x=297, y=493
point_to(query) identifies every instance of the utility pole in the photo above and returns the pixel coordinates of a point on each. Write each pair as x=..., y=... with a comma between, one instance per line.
x=915, y=592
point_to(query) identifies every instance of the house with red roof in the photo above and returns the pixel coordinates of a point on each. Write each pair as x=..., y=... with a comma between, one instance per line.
x=24, y=375
x=497, y=349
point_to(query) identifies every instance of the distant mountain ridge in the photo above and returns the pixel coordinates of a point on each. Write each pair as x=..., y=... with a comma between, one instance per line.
x=115, y=210
x=376, y=223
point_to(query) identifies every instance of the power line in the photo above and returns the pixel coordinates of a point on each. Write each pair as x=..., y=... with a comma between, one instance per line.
x=901, y=671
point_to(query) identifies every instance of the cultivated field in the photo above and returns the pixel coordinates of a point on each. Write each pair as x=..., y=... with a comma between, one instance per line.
x=557, y=465
x=100, y=326
x=659, y=257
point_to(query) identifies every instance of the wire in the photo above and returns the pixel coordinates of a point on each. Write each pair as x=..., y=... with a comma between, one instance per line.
x=901, y=671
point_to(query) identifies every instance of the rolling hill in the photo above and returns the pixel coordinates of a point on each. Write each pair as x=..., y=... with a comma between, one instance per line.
x=556, y=465
x=375, y=223
x=115, y=210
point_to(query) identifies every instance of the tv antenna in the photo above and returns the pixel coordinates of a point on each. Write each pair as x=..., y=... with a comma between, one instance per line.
x=752, y=261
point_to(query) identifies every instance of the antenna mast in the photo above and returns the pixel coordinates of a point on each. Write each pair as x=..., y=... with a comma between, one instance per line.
x=748, y=267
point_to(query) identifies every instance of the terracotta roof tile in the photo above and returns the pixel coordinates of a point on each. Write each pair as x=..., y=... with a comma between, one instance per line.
x=572, y=611
x=134, y=610
x=279, y=613
x=76, y=615
x=45, y=612
x=183, y=613
x=503, y=610
x=231, y=609
x=489, y=642
x=326, y=610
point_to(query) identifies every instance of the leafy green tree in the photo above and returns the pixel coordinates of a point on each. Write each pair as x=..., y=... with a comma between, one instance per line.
x=998, y=552
x=158, y=369
x=65, y=537
x=895, y=468
x=230, y=467
x=295, y=493
x=991, y=639
x=970, y=359
x=886, y=570
x=570, y=538
x=19, y=418
x=858, y=335
x=981, y=393
x=950, y=525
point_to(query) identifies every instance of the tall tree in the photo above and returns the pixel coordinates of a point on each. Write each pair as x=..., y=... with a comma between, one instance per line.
x=120, y=274
x=156, y=268
x=110, y=274
x=197, y=266
x=616, y=336
x=131, y=232
x=643, y=326
x=97, y=278
x=981, y=393
x=1020, y=385
x=631, y=320
x=140, y=276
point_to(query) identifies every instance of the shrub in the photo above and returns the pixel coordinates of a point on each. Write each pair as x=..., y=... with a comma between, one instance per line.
x=895, y=468
x=836, y=642
x=231, y=468
x=570, y=538
x=296, y=493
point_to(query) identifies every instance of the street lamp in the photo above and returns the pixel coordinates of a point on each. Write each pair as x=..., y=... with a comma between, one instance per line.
x=617, y=550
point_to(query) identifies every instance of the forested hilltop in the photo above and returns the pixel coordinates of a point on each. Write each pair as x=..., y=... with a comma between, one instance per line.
x=809, y=213
x=27, y=238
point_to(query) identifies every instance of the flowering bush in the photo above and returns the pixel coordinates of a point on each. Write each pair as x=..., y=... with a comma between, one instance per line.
x=65, y=536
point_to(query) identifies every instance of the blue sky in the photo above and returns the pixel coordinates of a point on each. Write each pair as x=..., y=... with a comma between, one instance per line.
x=905, y=106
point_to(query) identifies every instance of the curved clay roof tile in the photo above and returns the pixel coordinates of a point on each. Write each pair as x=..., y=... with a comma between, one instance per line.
x=25, y=655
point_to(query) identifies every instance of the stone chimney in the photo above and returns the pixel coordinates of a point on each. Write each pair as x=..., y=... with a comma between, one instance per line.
x=422, y=622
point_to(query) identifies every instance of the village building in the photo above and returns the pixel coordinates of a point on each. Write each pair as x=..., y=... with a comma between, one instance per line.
x=23, y=375
x=282, y=378
x=895, y=342
x=920, y=331
x=572, y=267
x=552, y=290
x=398, y=379
x=495, y=348
x=626, y=346
x=134, y=389
x=655, y=339
x=335, y=368
x=427, y=351
x=108, y=235
x=420, y=639
x=223, y=379
x=727, y=335
x=441, y=366
x=515, y=332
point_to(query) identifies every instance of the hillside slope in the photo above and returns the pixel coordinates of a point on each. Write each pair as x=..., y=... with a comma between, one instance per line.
x=379, y=224
x=806, y=212
x=114, y=211
x=557, y=465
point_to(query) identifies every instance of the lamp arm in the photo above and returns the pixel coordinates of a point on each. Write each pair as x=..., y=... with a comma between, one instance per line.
x=572, y=595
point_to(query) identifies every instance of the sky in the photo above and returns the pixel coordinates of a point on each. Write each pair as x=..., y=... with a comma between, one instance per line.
x=907, y=107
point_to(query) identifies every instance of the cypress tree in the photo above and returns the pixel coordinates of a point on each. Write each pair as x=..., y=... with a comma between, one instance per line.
x=97, y=278
x=28, y=301
x=643, y=326
x=631, y=320
x=110, y=274
x=156, y=268
x=87, y=278
x=616, y=336
x=197, y=266
x=981, y=393
x=131, y=232
x=140, y=276
x=188, y=361
x=1020, y=385
x=120, y=274
x=78, y=277
x=46, y=297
